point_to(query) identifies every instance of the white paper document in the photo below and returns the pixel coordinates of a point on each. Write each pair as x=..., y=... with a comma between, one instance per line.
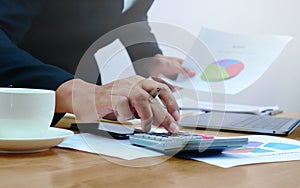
x=189, y=104
x=260, y=149
x=107, y=146
x=238, y=61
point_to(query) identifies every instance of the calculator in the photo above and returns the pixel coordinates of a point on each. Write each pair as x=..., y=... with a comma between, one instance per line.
x=186, y=144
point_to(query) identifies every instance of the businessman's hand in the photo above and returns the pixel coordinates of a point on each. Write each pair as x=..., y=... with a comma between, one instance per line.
x=125, y=98
x=169, y=67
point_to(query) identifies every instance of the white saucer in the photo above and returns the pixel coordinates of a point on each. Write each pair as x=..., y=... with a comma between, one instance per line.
x=52, y=137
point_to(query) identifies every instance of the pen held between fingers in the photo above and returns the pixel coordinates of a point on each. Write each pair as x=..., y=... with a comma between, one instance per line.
x=154, y=93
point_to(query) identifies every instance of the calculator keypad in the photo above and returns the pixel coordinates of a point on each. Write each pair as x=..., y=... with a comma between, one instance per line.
x=183, y=142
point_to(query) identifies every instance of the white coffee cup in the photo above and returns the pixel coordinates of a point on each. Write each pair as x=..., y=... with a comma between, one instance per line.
x=25, y=113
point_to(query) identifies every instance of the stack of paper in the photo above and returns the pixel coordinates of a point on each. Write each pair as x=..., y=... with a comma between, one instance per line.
x=188, y=104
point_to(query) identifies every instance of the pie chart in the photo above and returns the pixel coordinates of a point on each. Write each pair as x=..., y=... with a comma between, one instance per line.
x=222, y=70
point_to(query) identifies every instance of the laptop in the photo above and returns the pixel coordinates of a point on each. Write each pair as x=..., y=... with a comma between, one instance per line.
x=239, y=122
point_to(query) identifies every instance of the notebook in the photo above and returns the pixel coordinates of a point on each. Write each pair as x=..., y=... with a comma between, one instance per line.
x=239, y=122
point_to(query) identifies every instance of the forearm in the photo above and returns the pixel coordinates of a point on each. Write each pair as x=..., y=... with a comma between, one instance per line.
x=64, y=95
x=137, y=36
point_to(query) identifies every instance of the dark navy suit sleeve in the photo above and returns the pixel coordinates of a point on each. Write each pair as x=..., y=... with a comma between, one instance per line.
x=17, y=67
x=147, y=46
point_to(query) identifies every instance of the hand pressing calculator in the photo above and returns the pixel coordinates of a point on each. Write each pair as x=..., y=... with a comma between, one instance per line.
x=185, y=144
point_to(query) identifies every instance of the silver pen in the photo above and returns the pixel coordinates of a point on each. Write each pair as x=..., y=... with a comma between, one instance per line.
x=155, y=92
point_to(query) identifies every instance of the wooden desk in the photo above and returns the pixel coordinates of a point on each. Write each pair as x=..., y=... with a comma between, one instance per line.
x=68, y=168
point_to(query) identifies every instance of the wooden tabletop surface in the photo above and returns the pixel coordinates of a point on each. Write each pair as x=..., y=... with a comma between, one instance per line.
x=59, y=167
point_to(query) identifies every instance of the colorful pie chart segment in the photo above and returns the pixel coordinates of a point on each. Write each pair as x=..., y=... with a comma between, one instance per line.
x=222, y=70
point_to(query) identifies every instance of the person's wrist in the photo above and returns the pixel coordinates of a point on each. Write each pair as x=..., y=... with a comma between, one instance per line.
x=152, y=65
x=64, y=96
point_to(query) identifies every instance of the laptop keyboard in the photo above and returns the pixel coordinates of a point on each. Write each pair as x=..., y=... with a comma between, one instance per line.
x=220, y=120
x=262, y=122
